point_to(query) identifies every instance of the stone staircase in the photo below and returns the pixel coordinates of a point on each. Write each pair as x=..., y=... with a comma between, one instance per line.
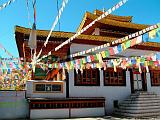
x=139, y=105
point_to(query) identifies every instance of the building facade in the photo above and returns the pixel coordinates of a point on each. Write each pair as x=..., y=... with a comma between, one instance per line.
x=83, y=94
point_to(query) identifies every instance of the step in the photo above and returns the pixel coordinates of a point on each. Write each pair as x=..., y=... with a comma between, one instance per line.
x=138, y=111
x=142, y=105
x=138, y=115
x=144, y=93
x=144, y=96
x=142, y=99
x=139, y=107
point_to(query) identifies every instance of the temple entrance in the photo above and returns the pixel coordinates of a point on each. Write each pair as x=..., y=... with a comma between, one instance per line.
x=138, y=81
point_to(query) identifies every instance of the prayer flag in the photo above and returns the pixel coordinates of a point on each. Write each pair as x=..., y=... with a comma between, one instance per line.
x=152, y=34
x=103, y=54
x=33, y=38
x=115, y=49
x=111, y=51
x=107, y=53
x=88, y=59
x=83, y=60
x=128, y=44
x=145, y=37
x=123, y=46
x=139, y=39
x=119, y=47
x=158, y=32
x=100, y=58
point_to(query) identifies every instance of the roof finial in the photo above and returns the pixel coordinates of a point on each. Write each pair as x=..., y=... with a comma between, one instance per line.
x=104, y=10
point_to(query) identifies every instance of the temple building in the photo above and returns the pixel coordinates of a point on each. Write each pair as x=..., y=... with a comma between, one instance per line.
x=93, y=92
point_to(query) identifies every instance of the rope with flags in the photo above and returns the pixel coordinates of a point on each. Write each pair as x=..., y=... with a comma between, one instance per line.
x=53, y=26
x=148, y=33
x=92, y=23
x=6, y=4
x=114, y=42
x=122, y=2
x=27, y=4
x=6, y=51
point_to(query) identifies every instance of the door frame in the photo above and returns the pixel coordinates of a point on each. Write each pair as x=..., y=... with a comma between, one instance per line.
x=143, y=76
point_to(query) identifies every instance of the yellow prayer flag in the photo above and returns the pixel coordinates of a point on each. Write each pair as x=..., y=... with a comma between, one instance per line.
x=152, y=34
x=123, y=46
x=103, y=54
x=138, y=60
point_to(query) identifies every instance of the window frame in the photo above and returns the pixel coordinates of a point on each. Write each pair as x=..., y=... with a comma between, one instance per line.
x=47, y=84
x=84, y=81
x=155, y=82
x=121, y=73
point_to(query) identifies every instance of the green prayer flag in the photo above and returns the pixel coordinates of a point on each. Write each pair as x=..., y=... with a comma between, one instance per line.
x=158, y=32
x=128, y=44
x=150, y=62
x=72, y=64
x=107, y=53
x=142, y=60
x=158, y=25
x=55, y=65
x=83, y=60
x=95, y=57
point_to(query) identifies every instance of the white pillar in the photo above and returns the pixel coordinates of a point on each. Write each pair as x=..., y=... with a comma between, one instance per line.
x=148, y=78
x=128, y=83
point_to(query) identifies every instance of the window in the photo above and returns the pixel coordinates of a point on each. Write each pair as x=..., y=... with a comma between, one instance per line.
x=155, y=77
x=56, y=87
x=40, y=87
x=112, y=78
x=89, y=77
x=48, y=87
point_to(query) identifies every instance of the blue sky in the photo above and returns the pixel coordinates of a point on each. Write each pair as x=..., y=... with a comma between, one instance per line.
x=143, y=11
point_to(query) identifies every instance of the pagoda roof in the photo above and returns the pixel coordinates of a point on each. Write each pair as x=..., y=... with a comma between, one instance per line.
x=61, y=34
x=64, y=36
x=114, y=17
x=112, y=20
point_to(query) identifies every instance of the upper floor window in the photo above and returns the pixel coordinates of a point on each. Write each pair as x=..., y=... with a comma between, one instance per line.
x=89, y=77
x=112, y=78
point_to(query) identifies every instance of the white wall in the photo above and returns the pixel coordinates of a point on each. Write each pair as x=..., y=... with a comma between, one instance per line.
x=64, y=113
x=30, y=90
x=13, y=105
x=154, y=89
x=49, y=113
x=80, y=47
x=110, y=93
x=87, y=112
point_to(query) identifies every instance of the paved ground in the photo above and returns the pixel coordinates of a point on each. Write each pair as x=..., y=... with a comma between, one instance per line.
x=103, y=118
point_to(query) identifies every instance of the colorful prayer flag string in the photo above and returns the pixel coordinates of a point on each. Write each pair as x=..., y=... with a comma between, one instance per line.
x=93, y=22
x=6, y=4
x=6, y=51
x=84, y=29
x=146, y=30
x=54, y=24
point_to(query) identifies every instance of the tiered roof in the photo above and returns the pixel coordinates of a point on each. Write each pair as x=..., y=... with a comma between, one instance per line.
x=111, y=21
x=115, y=27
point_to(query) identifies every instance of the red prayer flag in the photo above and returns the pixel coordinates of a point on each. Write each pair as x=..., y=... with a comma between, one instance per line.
x=111, y=51
x=133, y=42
